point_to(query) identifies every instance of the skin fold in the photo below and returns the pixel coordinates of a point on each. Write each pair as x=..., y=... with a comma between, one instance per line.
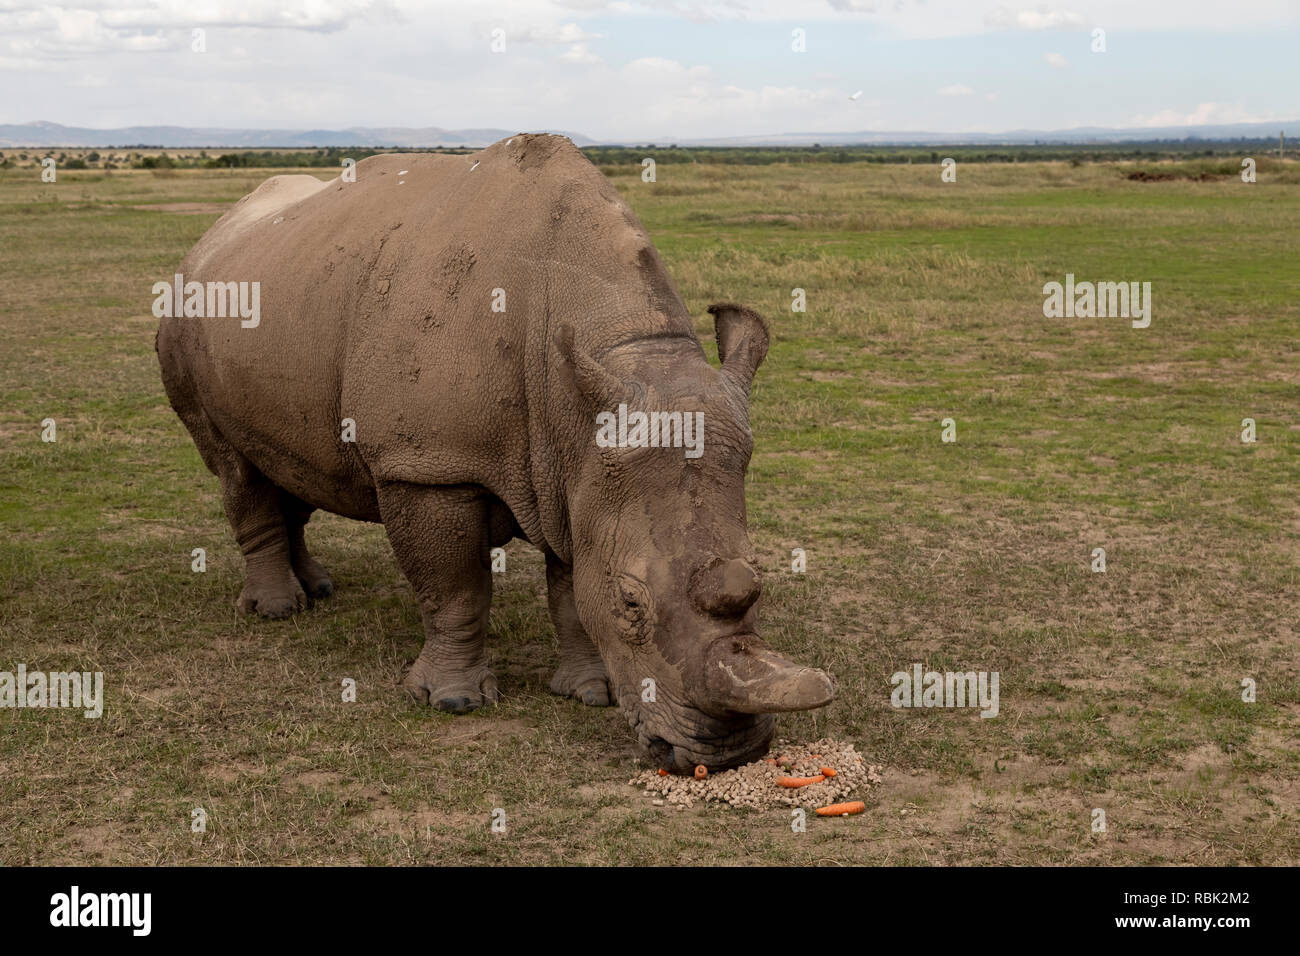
x=471, y=316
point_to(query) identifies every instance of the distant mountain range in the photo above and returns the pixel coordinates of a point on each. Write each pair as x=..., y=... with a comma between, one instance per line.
x=41, y=134
x=1017, y=137
x=184, y=137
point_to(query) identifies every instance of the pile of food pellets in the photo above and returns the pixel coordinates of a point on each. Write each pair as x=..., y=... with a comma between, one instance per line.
x=756, y=784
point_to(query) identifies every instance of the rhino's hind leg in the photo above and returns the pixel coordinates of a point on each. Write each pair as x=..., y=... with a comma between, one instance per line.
x=581, y=673
x=311, y=574
x=440, y=538
x=252, y=504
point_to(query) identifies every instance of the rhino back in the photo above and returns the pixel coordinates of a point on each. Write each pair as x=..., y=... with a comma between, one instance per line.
x=377, y=305
x=271, y=390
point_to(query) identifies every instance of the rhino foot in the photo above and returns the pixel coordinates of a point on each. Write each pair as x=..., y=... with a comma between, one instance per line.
x=313, y=577
x=456, y=692
x=588, y=684
x=274, y=598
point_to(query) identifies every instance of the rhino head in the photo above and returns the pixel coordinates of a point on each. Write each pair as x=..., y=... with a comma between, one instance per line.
x=666, y=581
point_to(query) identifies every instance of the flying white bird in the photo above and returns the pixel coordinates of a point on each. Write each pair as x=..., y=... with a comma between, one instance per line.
x=855, y=95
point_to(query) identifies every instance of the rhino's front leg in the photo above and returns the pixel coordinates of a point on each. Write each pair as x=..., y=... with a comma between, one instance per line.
x=581, y=673
x=440, y=538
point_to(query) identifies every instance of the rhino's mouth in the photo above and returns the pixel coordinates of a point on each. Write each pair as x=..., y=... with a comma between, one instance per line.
x=716, y=744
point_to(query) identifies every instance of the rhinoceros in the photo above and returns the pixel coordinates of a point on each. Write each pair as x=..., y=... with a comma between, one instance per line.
x=438, y=339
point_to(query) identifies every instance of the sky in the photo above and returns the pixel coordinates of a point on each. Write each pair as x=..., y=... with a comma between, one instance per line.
x=651, y=71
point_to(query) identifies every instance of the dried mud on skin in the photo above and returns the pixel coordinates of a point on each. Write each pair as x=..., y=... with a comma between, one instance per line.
x=755, y=784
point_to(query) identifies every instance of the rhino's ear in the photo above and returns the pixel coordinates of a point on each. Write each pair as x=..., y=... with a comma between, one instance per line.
x=742, y=341
x=587, y=375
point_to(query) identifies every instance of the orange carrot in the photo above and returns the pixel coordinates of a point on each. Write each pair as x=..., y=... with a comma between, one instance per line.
x=826, y=771
x=799, y=781
x=663, y=772
x=772, y=761
x=841, y=809
x=701, y=772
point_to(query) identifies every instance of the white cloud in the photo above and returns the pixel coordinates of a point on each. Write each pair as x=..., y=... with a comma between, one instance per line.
x=568, y=33
x=578, y=53
x=86, y=28
x=1205, y=113
x=28, y=65
x=950, y=18
x=256, y=14
x=1040, y=19
x=675, y=99
x=658, y=66
x=331, y=64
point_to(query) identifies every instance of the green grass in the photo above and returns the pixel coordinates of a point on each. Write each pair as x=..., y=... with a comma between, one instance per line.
x=1118, y=690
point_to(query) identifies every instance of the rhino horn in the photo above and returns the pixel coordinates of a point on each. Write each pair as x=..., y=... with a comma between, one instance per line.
x=744, y=675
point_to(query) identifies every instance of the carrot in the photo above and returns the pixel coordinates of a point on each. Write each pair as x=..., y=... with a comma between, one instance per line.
x=842, y=809
x=663, y=772
x=701, y=772
x=799, y=781
x=772, y=761
x=826, y=771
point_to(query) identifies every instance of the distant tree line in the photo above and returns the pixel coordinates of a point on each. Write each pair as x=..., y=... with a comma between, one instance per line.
x=1029, y=153
x=627, y=159
x=312, y=158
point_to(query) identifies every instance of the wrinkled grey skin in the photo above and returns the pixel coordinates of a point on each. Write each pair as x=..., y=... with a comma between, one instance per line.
x=476, y=426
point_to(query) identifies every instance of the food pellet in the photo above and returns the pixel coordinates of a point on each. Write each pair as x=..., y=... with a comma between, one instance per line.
x=755, y=784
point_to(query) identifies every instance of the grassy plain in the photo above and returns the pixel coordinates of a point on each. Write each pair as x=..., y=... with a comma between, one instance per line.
x=1119, y=691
